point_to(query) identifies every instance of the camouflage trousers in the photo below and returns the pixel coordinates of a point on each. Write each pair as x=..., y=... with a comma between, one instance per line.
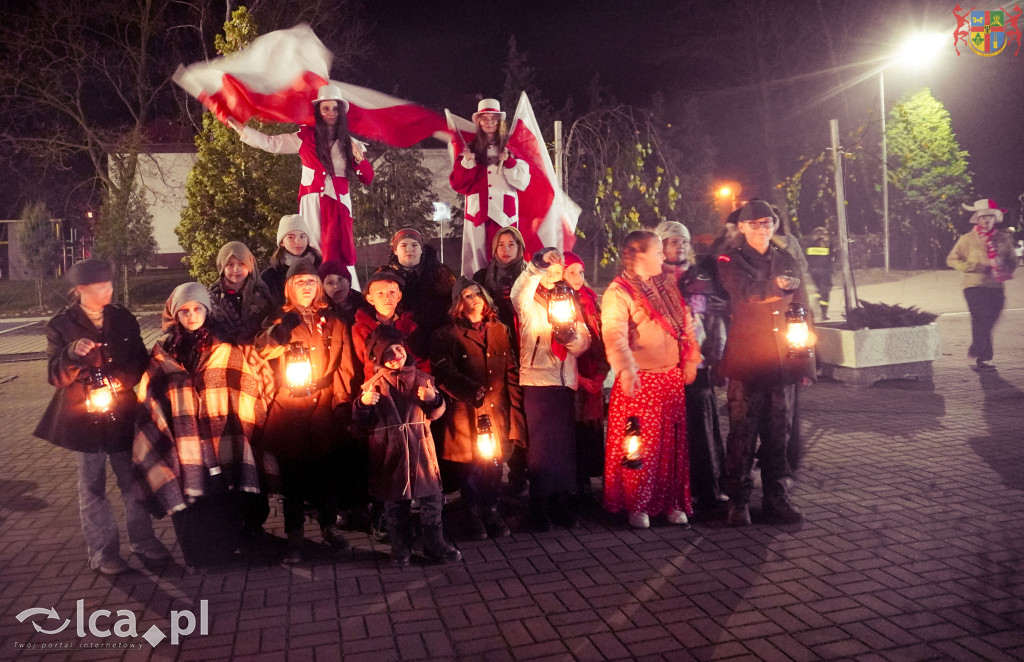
x=762, y=411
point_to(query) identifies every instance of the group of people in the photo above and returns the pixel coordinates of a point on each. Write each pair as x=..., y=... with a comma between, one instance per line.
x=291, y=382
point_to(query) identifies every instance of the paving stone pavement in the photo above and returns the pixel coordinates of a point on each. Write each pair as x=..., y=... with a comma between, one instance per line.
x=912, y=550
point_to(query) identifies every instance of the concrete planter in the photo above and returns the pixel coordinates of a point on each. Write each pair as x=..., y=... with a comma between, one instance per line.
x=866, y=356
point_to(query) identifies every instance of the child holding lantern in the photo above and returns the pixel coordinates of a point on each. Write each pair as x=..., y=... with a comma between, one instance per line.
x=95, y=356
x=314, y=387
x=398, y=403
x=473, y=362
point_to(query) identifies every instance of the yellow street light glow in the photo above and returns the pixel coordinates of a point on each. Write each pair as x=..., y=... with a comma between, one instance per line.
x=921, y=48
x=724, y=191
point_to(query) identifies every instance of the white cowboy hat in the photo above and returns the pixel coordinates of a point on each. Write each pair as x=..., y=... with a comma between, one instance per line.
x=984, y=207
x=331, y=92
x=489, y=106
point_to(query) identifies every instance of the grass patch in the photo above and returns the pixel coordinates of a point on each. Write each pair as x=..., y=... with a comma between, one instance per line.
x=148, y=290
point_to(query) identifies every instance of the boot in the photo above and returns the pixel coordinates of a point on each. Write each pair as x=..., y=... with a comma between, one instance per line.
x=824, y=311
x=293, y=550
x=334, y=538
x=778, y=507
x=496, y=527
x=475, y=529
x=436, y=548
x=739, y=514
x=563, y=510
x=399, y=532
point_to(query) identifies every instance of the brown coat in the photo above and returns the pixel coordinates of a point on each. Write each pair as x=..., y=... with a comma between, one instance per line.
x=123, y=357
x=403, y=461
x=464, y=360
x=308, y=426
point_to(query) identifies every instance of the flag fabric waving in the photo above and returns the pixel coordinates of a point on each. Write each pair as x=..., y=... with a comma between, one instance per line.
x=278, y=75
x=547, y=217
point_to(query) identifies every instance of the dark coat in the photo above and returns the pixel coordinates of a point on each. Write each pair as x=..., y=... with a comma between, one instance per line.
x=366, y=322
x=123, y=357
x=463, y=360
x=756, y=350
x=427, y=293
x=310, y=426
x=240, y=316
x=275, y=276
x=403, y=461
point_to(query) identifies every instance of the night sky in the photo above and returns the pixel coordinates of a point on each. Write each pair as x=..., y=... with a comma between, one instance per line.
x=447, y=54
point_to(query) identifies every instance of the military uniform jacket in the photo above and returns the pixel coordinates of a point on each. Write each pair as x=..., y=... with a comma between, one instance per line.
x=756, y=349
x=123, y=357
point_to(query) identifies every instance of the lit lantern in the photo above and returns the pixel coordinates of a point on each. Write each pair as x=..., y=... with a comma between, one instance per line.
x=299, y=370
x=486, y=444
x=798, y=334
x=100, y=394
x=632, y=442
x=562, y=308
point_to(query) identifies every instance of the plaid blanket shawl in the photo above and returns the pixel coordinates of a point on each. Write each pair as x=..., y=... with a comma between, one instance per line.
x=194, y=432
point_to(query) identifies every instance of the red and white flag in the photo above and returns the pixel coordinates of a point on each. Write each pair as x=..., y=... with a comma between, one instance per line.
x=547, y=217
x=277, y=76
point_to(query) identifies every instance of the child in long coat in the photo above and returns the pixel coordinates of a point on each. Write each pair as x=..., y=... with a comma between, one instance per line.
x=94, y=334
x=398, y=403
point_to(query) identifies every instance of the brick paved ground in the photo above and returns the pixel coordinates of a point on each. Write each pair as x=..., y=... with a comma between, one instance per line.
x=912, y=550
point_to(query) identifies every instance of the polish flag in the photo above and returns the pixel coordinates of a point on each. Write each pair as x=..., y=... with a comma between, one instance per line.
x=276, y=78
x=547, y=217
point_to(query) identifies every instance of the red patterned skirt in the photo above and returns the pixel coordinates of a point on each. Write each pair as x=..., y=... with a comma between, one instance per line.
x=662, y=484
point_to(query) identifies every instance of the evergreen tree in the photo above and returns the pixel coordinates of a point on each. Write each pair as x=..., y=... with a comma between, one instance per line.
x=40, y=245
x=521, y=77
x=928, y=179
x=124, y=230
x=401, y=197
x=235, y=192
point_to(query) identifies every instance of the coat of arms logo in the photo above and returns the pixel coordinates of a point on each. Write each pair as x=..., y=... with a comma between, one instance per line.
x=986, y=32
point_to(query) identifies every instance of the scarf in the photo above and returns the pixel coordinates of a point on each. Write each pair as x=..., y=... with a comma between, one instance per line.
x=543, y=297
x=663, y=303
x=187, y=347
x=999, y=272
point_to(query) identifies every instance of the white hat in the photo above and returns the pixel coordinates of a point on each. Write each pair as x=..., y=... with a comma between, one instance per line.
x=489, y=106
x=331, y=92
x=668, y=229
x=292, y=223
x=985, y=208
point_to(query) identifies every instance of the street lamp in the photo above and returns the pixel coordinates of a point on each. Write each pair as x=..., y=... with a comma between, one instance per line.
x=919, y=50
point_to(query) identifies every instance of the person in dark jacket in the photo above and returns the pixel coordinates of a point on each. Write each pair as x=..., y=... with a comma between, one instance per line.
x=302, y=429
x=96, y=341
x=473, y=362
x=344, y=299
x=293, y=244
x=398, y=403
x=762, y=280
x=240, y=298
x=427, y=288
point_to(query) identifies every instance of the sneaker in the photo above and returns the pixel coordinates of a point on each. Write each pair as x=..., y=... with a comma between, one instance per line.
x=987, y=366
x=293, y=552
x=739, y=514
x=112, y=567
x=676, y=516
x=334, y=538
x=496, y=527
x=639, y=521
x=780, y=508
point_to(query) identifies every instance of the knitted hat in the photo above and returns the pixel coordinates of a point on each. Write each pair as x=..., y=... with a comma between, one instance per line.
x=89, y=271
x=668, y=229
x=461, y=284
x=985, y=207
x=303, y=267
x=239, y=251
x=334, y=268
x=406, y=233
x=488, y=106
x=571, y=259
x=380, y=339
x=387, y=275
x=756, y=210
x=292, y=223
x=188, y=293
